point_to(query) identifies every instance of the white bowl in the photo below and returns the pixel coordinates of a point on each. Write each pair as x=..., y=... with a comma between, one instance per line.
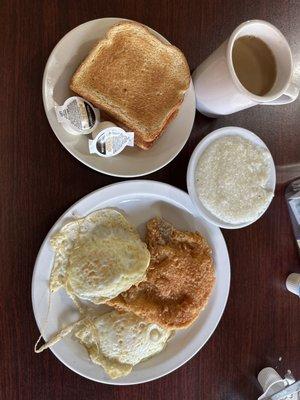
x=217, y=134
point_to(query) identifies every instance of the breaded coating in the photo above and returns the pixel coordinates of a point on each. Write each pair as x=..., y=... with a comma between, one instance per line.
x=179, y=280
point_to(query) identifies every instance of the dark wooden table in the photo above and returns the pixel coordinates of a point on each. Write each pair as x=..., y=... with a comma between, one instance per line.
x=39, y=180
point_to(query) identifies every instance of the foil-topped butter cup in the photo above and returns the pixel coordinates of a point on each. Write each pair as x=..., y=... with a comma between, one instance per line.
x=77, y=116
x=108, y=140
x=293, y=283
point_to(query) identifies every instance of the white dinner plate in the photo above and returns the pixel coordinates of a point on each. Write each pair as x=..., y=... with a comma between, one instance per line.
x=140, y=200
x=67, y=55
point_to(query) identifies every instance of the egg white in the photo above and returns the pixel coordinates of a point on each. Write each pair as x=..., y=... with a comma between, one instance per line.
x=118, y=341
x=98, y=257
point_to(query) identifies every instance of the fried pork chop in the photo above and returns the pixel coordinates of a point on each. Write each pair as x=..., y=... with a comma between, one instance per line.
x=179, y=279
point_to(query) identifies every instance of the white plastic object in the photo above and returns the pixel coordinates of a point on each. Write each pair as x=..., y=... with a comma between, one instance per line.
x=108, y=140
x=77, y=116
x=293, y=283
x=269, y=377
x=276, y=387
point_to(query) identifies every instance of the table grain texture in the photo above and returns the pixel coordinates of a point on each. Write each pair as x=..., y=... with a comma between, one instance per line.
x=40, y=180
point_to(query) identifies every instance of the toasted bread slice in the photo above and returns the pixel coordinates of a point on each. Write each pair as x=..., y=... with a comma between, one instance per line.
x=136, y=79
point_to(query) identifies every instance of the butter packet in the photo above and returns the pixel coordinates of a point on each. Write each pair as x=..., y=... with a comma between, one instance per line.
x=109, y=140
x=77, y=116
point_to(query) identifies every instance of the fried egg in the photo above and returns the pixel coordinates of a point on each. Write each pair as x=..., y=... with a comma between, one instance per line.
x=118, y=341
x=98, y=257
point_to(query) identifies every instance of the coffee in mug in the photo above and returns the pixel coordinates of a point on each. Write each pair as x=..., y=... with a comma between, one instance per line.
x=254, y=64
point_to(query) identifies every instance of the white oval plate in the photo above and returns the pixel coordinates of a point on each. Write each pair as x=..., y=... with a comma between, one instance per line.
x=141, y=200
x=67, y=55
x=190, y=176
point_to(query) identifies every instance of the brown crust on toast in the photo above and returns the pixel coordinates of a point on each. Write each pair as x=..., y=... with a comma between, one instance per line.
x=143, y=106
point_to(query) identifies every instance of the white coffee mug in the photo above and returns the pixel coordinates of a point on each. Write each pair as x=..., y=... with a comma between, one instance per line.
x=218, y=89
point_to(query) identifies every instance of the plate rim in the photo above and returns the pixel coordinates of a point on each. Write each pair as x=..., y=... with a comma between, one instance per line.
x=45, y=73
x=222, y=308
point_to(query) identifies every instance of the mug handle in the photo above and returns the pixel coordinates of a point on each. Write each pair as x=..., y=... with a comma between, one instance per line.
x=288, y=96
